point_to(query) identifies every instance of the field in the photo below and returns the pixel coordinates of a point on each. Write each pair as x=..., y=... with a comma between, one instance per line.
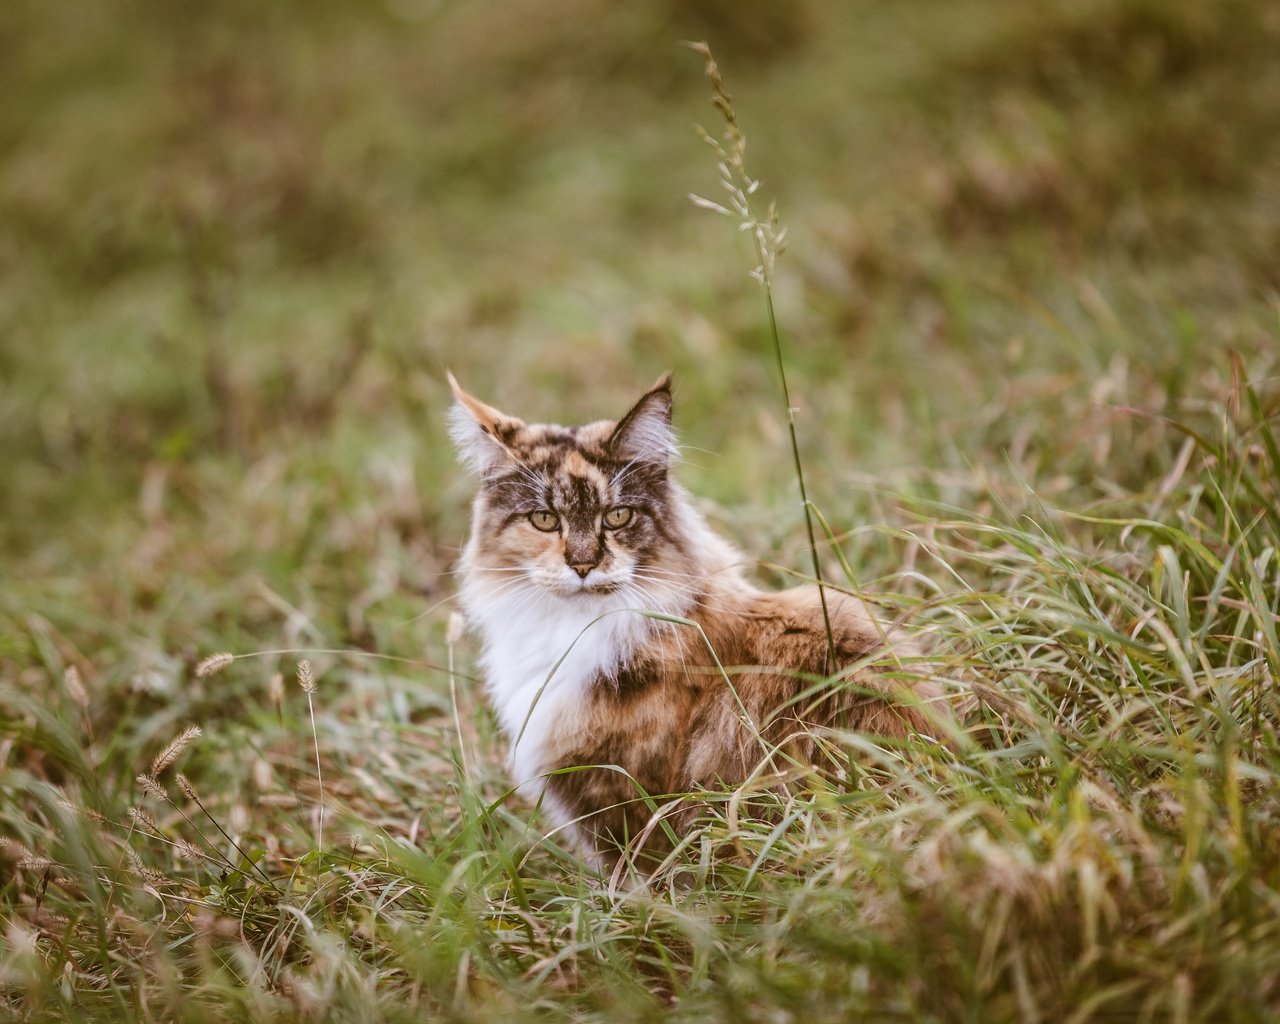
x=1029, y=308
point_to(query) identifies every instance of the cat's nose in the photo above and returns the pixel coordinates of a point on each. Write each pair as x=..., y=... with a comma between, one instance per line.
x=582, y=568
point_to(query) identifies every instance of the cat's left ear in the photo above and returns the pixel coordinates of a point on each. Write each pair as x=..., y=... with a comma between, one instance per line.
x=480, y=432
x=644, y=434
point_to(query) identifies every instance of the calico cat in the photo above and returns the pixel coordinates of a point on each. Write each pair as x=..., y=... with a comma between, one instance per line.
x=577, y=533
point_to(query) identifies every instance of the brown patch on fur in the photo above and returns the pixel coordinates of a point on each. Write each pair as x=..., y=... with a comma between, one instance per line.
x=674, y=723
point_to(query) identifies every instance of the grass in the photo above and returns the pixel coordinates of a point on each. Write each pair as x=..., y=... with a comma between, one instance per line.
x=1031, y=309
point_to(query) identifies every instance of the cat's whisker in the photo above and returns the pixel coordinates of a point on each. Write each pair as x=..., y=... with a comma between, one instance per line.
x=508, y=593
x=682, y=599
x=643, y=600
x=655, y=573
x=672, y=584
x=526, y=602
x=471, y=569
x=516, y=574
x=689, y=575
x=538, y=481
x=514, y=586
x=432, y=609
x=668, y=602
x=616, y=480
x=689, y=583
x=510, y=587
x=723, y=569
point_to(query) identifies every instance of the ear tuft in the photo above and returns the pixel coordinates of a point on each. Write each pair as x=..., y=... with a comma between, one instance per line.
x=478, y=431
x=644, y=434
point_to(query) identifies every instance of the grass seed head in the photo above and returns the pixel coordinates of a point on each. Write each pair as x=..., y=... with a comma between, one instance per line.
x=731, y=150
x=457, y=626
x=263, y=777
x=188, y=850
x=11, y=849
x=305, y=677
x=143, y=820
x=149, y=875
x=174, y=750
x=151, y=786
x=75, y=687
x=214, y=664
x=187, y=788
x=88, y=812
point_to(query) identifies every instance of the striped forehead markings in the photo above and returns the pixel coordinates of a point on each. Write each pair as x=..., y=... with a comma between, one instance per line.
x=582, y=501
x=576, y=464
x=551, y=454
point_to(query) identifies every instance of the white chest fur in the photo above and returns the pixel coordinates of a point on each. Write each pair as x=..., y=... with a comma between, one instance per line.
x=543, y=652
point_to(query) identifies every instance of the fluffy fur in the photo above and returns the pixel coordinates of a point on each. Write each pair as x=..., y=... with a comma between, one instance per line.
x=577, y=533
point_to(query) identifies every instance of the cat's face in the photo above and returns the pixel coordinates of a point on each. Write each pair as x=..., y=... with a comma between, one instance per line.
x=575, y=511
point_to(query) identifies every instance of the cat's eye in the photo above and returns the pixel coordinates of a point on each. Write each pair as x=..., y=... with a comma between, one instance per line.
x=544, y=520
x=617, y=518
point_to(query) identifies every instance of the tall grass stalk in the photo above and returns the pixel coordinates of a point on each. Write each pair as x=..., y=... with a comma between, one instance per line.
x=769, y=240
x=306, y=679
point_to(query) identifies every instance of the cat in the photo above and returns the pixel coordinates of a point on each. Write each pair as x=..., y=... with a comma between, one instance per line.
x=583, y=554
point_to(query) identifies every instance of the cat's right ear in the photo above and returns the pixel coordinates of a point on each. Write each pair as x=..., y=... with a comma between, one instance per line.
x=480, y=432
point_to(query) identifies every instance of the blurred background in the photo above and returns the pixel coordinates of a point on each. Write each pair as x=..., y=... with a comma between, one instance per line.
x=240, y=243
x=1034, y=258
